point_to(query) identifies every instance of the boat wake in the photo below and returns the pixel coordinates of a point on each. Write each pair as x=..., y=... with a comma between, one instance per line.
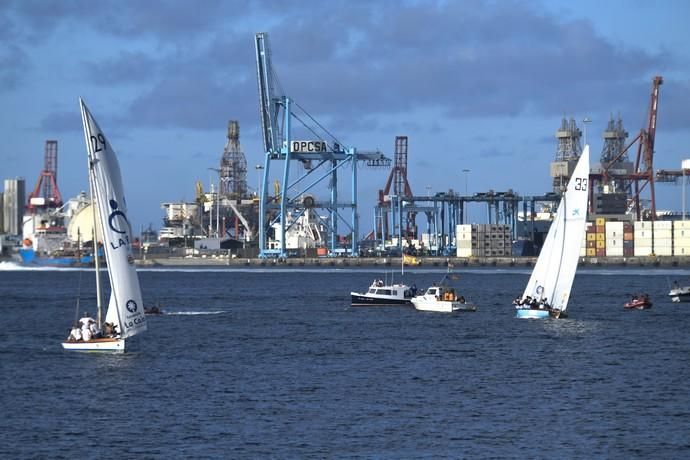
x=193, y=313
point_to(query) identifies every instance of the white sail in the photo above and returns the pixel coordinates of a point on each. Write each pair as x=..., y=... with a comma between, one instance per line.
x=125, y=308
x=555, y=269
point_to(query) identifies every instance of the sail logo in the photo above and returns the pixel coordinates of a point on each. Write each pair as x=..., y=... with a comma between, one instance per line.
x=576, y=212
x=131, y=306
x=118, y=223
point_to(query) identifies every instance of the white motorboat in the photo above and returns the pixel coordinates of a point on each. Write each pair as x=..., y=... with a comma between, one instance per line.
x=548, y=289
x=381, y=294
x=679, y=293
x=442, y=299
x=125, y=314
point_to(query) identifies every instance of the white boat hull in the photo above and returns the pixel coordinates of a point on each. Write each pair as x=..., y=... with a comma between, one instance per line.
x=441, y=306
x=681, y=294
x=529, y=313
x=106, y=345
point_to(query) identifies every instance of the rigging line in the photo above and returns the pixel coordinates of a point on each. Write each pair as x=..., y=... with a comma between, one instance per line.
x=319, y=124
x=76, y=312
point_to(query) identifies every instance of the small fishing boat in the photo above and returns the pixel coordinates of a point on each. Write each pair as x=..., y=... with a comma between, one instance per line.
x=381, y=294
x=442, y=299
x=638, y=302
x=125, y=314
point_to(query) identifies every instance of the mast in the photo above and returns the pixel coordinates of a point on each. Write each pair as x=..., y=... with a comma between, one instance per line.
x=99, y=303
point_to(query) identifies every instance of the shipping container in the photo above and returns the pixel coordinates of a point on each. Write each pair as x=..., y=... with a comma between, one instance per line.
x=628, y=252
x=592, y=244
x=643, y=251
x=643, y=225
x=601, y=237
x=614, y=243
x=614, y=252
x=591, y=236
x=601, y=252
x=601, y=244
x=663, y=225
x=600, y=221
x=591, y=252
x=628, y=236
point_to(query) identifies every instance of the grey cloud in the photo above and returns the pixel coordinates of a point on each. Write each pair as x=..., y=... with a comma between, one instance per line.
x=13, y=64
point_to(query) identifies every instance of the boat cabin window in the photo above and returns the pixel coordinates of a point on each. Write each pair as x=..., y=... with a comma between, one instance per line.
x=372, y=291
x=384, y=292
x=431, y=291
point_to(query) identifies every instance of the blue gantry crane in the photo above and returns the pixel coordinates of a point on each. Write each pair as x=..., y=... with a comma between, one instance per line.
x=321, y=156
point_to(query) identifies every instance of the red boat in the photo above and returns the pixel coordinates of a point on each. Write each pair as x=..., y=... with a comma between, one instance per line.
x=639, y=302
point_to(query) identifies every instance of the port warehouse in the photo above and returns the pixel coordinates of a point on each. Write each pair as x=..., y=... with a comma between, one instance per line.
x=603, y=238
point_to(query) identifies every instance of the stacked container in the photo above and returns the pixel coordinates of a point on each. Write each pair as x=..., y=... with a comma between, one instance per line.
x=643, y=238
x=663, y=238
x=583, y=246
x=614, y=239
x=628, y=239
x=591, y=240
x=485, y=240
x=600, y=227
x=463, y=240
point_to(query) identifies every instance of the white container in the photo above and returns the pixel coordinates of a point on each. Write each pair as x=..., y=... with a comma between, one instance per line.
x=663, y=225
x=464, y=252
x=614, y=252
x=583, y=252
x=663, y=251
x=681, y=225
x=663, y=233
x=614, y=229
x=643, y=225
x=643, y=251
x=614, y=243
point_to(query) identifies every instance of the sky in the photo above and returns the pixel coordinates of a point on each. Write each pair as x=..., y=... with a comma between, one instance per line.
x=476, y=85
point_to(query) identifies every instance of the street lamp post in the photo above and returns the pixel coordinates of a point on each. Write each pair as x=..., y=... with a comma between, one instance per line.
x=258, y=179
x=464, y=216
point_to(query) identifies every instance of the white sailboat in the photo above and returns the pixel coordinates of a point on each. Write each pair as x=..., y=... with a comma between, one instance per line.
x=548, y=289
x=125, y=314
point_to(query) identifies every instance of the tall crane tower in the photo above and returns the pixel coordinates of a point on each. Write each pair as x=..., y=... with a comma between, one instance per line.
x=568, y=152
x=401, y=189
x=612, y=197
x=46, y=194
x=643, y=172
x=322, y=155
x=233, y=165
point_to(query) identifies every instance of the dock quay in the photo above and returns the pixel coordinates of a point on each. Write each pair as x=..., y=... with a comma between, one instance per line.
x=422, y=262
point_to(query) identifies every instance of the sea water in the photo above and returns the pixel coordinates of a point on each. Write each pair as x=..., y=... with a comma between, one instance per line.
x=274, y=363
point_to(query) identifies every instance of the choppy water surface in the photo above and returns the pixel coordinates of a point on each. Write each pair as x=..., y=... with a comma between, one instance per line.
x=271, y=363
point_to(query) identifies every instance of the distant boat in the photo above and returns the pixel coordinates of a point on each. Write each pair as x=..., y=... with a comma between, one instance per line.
x=381, y=294
x=679, y=293
x=125, y=315
x=442, y=298
x=639, y=302
x=548, y=290
x=28, y=256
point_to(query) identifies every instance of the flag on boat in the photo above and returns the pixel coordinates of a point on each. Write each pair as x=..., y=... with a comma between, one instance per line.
x=410, y=260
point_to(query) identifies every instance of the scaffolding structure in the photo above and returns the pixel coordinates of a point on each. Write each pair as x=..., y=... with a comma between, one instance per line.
x=233, y=165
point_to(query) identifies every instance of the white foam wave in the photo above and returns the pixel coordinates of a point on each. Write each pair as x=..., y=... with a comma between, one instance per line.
x=192, y=313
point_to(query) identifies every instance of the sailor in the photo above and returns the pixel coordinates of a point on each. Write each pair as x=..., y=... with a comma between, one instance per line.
x=461, y=299
x=74, y=334
x=86, y=322
x=95, y=331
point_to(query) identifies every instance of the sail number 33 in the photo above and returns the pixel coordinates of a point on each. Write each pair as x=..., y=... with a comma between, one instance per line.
x=581, y=184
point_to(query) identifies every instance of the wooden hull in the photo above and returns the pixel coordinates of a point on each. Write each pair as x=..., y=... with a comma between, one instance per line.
x=97, y=345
